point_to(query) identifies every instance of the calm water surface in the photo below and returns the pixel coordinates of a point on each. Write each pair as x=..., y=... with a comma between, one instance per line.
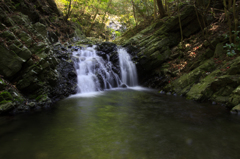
x=123, y=124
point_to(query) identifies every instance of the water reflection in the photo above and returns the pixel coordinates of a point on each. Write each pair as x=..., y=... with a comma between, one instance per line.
x=123, y=124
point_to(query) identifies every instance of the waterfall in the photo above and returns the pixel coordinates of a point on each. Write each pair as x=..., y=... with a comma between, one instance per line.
x=96, y=73
x=128, y=68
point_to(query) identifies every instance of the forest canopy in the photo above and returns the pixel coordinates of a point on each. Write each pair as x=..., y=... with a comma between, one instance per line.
x=94, y=16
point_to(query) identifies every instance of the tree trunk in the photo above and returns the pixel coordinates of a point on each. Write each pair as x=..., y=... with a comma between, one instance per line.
x=180, y=24
x=138, y=10
x=69, y=10
x=161, y=9
x=235, y=21
x=89, y=30
x=103, y=19
x=53, y=5
x=155, y=9
x=134, y=13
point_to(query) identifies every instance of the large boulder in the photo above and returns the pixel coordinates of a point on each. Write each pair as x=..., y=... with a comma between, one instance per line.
x=182, y=84
x=235, y=97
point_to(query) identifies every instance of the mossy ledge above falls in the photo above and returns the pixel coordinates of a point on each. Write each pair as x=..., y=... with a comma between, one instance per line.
x=198, y=69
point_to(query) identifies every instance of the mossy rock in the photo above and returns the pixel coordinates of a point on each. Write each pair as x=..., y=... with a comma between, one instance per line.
x=25, y=38
x=8, y=35
x=194, y=76
x=2, y=84
x=6, y=105
x=43, y=99
x=25, y=53
x=233, y=66
x=10, y=63
x=20, y=19
x=219, y=51
x=208, y=53
x=235, y=96
x=41, y=28
x=220, y=99
x=236, y=109
x=2, y=26
x=9, y=22
x=211, y=84
x=15, y=48
x=5, y=96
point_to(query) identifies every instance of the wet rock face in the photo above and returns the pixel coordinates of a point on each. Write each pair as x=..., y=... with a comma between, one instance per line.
x=66, y=83
x=107, y=47
x=108, y=51
x=35, y=68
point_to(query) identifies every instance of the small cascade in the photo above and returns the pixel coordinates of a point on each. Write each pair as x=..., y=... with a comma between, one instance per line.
x=96, y=72
x=128, y=68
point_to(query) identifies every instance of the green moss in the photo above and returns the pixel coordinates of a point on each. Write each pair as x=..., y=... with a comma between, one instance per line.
x=5, y=101
x=5, y=96
x=42, y=97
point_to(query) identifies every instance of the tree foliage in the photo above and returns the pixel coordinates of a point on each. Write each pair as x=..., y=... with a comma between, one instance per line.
x=95, y=15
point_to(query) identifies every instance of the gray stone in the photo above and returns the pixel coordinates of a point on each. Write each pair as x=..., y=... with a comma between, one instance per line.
x=25, y=53
x=15, y=48
x=25, y=38
x=2, y=26
x=2, y=84
x=219, y=50
x=20, y=19
x=31, y=104
x=41, y=29
x=236, y=109
x=208, y=53
x=8, y=35
x=6, y=106
x=9, y=22
x=10, y=63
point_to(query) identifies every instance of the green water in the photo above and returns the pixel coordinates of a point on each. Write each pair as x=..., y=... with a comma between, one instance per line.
x=123, y=124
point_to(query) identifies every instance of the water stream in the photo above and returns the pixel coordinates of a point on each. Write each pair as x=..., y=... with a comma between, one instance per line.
x=123, y=124
x=120, y=123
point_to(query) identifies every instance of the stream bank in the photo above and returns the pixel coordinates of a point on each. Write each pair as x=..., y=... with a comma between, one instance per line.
x=196, y=68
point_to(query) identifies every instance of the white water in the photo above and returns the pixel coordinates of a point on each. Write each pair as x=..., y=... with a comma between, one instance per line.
x=96, y=74
x=128, y=68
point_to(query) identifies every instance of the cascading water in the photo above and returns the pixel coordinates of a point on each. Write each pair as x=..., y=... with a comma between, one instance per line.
x=95, y=73
x=128, y=68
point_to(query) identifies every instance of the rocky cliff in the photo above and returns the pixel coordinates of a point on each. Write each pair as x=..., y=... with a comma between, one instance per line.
x=197, y=68
x=35, y=65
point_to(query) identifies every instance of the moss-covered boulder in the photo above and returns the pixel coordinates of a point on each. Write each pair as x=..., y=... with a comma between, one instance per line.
x=234, y=66
x=219, y=51
x=211, y=84
x=236, y=109
x=6, y=106
x=234, y=98
x=5, y=96
x=186, y=81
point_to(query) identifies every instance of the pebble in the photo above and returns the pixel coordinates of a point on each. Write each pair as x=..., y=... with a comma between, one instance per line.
x=169, y=93
x=162, y=92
